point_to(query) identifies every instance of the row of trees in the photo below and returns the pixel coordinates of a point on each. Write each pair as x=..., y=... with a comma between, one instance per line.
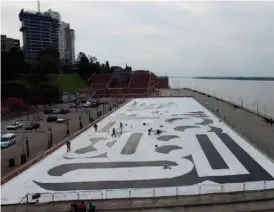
x=29, y=80
x=88, y=65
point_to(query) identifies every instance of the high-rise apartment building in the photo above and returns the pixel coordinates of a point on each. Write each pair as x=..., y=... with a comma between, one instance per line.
x=62, y=44
x=72, y=32
x=67, y=43
x=40, y=30
x=8, y=43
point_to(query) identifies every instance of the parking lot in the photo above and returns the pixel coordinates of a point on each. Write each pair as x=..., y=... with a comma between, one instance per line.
x=38, y=139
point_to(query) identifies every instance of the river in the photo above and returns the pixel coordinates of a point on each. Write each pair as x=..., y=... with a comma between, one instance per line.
x=252, y=94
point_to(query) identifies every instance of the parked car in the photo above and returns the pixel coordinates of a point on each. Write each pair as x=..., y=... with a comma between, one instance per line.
x=7, y=140
x=72, y=105
x=94, y=103
x=103, y=101
x=62, y=119
x=15, y=126
x=52, y=119
x=32, y=126
x=48, y=111
x=64, y=111
x=87, y=104
x=56, y=111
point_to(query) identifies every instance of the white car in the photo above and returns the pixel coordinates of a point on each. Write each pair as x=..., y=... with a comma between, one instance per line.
x=7, y=140
x=55, y=111
x=87, y=104
x=15, y=126
x=72, y=105
x=62, y=119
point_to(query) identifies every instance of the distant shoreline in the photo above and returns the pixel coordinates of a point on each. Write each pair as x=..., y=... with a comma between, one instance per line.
x=231, y=78
x=238, y=78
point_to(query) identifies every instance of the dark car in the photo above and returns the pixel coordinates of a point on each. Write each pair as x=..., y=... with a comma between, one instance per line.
x=32, y=126
x=64, y=111
x=48, y=111
x=103, y=101
x=95, y=103
x=52, y=119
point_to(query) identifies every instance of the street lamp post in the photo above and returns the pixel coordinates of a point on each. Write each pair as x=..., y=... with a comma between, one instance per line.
x=50, y=137
x=264, y=110
x=80, y=122
x=67, y=123
x=27, y=146
x=257, y=104
x=23, y=146
x=76, y=102
x=229, y=96
x=242, y=101
x=89, y=116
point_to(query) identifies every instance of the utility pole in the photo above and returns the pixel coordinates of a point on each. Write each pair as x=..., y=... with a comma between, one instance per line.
x=27, y=146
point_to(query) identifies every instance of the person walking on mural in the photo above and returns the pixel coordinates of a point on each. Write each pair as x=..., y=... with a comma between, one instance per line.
x=82, y=207
x=113, y=132
x=158, y=132
x=91, y=207
x=68, y=146
x=149, y=131
x=95, y=127
x=121, y=127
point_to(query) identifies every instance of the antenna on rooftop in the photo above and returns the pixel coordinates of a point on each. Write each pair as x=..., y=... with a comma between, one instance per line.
x=38, y=5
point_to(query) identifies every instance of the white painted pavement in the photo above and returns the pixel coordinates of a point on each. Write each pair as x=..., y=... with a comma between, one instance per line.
x=153, y=112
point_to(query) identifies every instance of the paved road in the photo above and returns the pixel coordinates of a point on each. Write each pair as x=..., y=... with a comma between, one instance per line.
x=247, y=124
x=38, y=141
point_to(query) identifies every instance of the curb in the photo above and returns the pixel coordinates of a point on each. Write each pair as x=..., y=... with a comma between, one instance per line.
x=44, y=153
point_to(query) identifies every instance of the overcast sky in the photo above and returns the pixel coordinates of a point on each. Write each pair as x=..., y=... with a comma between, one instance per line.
x=173, y=38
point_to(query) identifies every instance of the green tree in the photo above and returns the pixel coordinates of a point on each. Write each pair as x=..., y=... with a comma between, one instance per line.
x=92, y=60
x=49, y=62
x=128, y=68
x=83, y=65
x=12, y=64
x=107, y=67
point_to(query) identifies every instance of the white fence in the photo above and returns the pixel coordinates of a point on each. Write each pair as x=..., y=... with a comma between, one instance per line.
x=149, y=192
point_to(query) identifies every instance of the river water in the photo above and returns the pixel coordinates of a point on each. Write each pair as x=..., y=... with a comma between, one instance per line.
x=252, y=94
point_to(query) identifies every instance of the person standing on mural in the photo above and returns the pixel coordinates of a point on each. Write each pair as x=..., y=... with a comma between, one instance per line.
x=158, y=132
x=68, y=146
x=113, y=132
x=95, y=127
x=121, y=127
x=149, y=131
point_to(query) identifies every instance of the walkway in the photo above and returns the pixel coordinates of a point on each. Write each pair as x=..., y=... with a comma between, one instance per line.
x=249, y=125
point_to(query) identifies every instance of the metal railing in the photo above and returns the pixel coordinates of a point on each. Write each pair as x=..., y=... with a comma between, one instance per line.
x=268, y=148
x=202, y=189
x=239, y=105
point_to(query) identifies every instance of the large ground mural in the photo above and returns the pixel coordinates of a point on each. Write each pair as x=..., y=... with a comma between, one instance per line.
x=158, y=142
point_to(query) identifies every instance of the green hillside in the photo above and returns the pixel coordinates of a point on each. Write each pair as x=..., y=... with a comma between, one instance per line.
x=67, y=82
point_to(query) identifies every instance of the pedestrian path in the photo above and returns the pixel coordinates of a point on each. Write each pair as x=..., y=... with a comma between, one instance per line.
x=249, y=125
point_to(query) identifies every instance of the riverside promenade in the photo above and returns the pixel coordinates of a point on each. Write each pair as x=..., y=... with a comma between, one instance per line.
x=249, y=125
x=241, y=201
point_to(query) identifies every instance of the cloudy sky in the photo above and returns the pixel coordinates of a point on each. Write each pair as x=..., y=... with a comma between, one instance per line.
x=173, y=38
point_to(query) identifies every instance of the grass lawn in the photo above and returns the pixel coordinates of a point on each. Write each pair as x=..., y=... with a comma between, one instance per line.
x=67, y=82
